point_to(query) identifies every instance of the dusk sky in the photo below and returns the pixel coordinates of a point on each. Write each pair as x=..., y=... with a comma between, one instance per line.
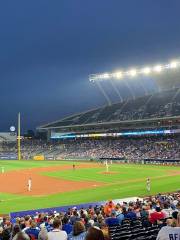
x=49, y=47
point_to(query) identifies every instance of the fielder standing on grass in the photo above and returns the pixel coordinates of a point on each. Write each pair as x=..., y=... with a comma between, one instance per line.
x=107, y=166
x=29, y=184
x=148, y=184
x=2, y=169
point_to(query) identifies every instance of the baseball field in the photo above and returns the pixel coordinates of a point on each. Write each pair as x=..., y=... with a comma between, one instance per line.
x=56, y=183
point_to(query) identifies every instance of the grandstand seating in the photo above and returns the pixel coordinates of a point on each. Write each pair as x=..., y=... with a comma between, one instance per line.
x=133, y=230
x=157, y=105
x=7, y=137
x=131, y=149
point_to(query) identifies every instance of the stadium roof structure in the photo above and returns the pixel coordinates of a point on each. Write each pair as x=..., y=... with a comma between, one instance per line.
x=161, y=106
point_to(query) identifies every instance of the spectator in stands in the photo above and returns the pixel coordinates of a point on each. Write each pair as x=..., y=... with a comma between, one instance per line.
x=75, y=217
x=5, y=234
x=56, y=233
x=112, y=221
x=39, y=217
x=16, y=229
x=43, y=221
x=43, y=233
x=120, y=217
x=94, y=233
x=109, y=207
x=22, y=223
x=21, y=236
x=105, y=230
x=167, y=210
x=144, y=213
x=66, y=226
x=171, y=232
x=100, y=221
x=1, y=233
x=7, y=230
x=27, y=221
x=87, y=222
x=131, y=214
x=33, y=231
x=157, y=215
x=3, y=223
x=79, y=232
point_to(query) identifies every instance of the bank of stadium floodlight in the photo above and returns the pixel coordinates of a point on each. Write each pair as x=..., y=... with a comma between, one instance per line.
x=158, y=68
x=146, y=70
x=132, y=72
x=154, y=69
x=118, y=75
x=173, y=64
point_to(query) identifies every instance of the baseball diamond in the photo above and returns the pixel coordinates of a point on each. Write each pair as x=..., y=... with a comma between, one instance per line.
x=55, y=183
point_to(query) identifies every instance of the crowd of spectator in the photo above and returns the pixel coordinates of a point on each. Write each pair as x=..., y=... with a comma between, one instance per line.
x=131, y=149
x=157, y=217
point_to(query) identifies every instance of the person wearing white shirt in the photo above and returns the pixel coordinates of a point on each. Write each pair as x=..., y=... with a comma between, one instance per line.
x=171, y=232
x=57, y=233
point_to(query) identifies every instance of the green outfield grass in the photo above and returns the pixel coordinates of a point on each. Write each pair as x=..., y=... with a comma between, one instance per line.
x=129, y=181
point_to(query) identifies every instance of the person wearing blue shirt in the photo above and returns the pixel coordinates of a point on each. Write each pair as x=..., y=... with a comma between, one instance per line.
x=131, y=214
x=67, y=226
x=112, y=220
x=33, y=231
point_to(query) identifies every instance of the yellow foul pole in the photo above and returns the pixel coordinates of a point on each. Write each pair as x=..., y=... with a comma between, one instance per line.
x=19, y=136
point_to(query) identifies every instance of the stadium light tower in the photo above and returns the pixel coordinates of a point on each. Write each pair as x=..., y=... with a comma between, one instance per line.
x=154, y=69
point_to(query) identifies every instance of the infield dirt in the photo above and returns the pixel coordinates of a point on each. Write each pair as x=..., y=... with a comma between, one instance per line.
x=16, y=181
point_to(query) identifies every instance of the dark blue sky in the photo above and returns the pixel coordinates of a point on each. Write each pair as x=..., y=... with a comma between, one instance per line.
x=48, y=49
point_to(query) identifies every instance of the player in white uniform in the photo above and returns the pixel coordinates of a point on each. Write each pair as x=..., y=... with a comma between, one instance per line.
x=29, y=184
x=107, y=166
x=148, y=185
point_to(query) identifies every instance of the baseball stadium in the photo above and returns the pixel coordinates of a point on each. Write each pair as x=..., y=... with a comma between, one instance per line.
x=97, y=155
x=92, y=150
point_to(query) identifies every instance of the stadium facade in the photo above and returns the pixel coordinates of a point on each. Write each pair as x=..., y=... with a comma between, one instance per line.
x=154, y=114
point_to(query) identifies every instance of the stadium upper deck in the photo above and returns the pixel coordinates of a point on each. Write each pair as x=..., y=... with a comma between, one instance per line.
x=155, y=110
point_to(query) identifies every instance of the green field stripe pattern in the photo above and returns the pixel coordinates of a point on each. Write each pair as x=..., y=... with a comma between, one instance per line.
x=122, y=172
x=17, y=165
x=129, y=181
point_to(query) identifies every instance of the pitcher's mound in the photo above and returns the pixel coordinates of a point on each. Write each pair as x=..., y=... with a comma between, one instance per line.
x=110, y=172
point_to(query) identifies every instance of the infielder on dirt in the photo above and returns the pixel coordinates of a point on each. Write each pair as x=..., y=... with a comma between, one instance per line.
x=29, y=185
